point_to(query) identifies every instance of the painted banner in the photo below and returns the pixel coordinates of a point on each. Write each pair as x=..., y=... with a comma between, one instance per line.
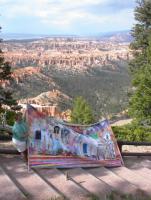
x=56, y=144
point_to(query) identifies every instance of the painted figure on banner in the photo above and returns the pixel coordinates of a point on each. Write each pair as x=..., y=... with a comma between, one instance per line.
x=93, y=143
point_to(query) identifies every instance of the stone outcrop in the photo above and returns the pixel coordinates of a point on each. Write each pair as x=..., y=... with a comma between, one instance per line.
x=75, y=55
x=48, y=103
x=47, y=64
x=47, y=98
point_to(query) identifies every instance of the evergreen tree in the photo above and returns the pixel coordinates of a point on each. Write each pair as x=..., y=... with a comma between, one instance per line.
x=140, y=102
x=81, y=112
x=141, y=33
x=5, y=92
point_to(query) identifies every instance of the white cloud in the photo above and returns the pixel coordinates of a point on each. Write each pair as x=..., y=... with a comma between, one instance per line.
x=63, y=12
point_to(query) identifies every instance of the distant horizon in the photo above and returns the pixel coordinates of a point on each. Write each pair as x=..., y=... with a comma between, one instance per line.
x=9, y=36
x=66, y=17
x=126, y=30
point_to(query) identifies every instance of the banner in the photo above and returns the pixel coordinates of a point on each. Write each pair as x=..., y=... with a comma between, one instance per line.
x=56, y=144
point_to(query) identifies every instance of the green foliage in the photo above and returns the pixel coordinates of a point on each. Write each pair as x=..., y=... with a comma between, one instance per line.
x=139, y=196
x=132, y=132
x=93, y=197
x=140, y=102
x=141, y=33
x=81, y=112
x=106, y=90
x=10, y=117
x=6, y=97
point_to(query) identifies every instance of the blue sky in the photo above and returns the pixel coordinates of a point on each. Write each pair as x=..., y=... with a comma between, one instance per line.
x=80, y=17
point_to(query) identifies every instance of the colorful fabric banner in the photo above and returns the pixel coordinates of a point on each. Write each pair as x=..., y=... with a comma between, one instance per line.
x=55, y=144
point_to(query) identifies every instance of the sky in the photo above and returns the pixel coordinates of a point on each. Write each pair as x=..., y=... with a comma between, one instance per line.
x=76, y=17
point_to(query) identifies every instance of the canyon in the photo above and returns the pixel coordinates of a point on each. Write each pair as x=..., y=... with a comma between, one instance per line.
x=64, y=54
x=53, y=71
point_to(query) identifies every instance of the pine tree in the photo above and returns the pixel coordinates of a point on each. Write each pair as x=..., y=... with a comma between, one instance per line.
x=6, y=98
x=141, y=33
x=81, y=112
x=140, y=102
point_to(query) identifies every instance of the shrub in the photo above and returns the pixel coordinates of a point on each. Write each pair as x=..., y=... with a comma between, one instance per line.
x=132, y=132
x=10, y=117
